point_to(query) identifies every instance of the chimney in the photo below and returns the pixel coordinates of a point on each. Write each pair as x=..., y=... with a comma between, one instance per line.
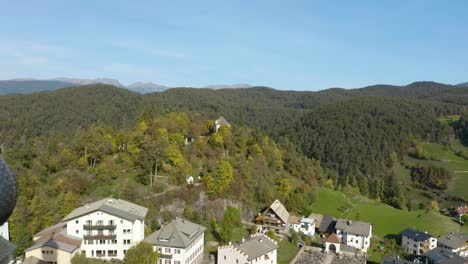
x=260, y=240
x=350, y=222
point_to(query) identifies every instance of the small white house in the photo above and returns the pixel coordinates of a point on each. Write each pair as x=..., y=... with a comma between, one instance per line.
x=4, y=231
x=220, y=122
x=416, y=242
x=302, y=224
x=455, y=243
x=258, y=249
x=108, y=227
x=178, y=242
x=190, y=180
x=354, y=233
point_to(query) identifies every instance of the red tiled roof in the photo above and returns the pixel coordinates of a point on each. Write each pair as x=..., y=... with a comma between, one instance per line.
x=333, y=238
x=462, y=210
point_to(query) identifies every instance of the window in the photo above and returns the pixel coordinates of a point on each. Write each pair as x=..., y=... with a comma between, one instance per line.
x=167, y=250
x=168, y=261
x=111, y=222
x=224, y=257
x=77, y=231
x=111, y=253
x=357, y=241
x=89, y=222
x=102, y=242
x=99, y=222
x=176, y=262
x=76, y=221
x=237, y=261
x=126, y=242
x=177, y=251
x=121, y=221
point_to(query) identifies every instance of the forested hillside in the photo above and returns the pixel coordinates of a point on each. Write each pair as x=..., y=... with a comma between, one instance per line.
x=58, y=173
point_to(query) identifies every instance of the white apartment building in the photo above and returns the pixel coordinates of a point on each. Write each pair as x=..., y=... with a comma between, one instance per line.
x=416, y=242
x=107, y=228
x=4, y=231
x=303, y=225
x=455, y=243
x=354, y=233
x=178, y=242
x=258, y=249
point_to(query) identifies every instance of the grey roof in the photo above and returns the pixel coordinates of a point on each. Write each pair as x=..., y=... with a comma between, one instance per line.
x=33, y=260
x=178, y=233
x=415, y=234
x=443, y=256
x=51, y=229
x=353, y=227
x=6, y=248
x=221, y=122
x=346, y=248
x=117, y=207
x=59, y=241
x=394, y=260
x=327, y=224
x=256, y=246
x=453, y=240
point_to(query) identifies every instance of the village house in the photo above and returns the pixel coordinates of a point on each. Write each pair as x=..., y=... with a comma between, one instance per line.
x=460, y=212
x=58, y=248
x=302, y=224
x=354, y=233
x=442, y=256
x=178, y=242
x=416, y=242
x=456, y=243
x=327, y=226
x=220, y=122
x=104, y=229
x=275, y=218
x=108, y=227
x=258, y=249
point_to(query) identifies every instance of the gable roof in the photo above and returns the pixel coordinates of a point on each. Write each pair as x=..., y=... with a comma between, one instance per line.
x=442, y=256
x=415, y=234
x=333, y=238
x=353, y=227
x=327, y=224
x=453, y=240
x=117, y=207
x=462, y=210
x=179, y=233
x=51, y=229
x=256, y=246
x=278, y=208
x=58, y=241
x=221, y=122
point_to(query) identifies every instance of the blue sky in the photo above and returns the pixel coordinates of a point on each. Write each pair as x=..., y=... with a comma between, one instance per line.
x=302, y=45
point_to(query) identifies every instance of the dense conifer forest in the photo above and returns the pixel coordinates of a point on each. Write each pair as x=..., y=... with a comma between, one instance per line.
x=76, y=144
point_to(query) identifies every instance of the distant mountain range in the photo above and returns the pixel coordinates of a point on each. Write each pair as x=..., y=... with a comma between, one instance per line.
x=463, y=84
x=29, y=85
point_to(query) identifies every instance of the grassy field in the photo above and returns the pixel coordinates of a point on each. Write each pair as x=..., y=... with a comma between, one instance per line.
x=386, y=220
x=448, y=159
x=286, y=251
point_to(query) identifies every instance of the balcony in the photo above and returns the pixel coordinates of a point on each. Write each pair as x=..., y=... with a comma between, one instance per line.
x=100, y=236
x=99, y=227
x=165, y=256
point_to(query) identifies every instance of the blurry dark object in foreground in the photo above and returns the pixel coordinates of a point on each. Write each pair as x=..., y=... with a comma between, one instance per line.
x=8, y=192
